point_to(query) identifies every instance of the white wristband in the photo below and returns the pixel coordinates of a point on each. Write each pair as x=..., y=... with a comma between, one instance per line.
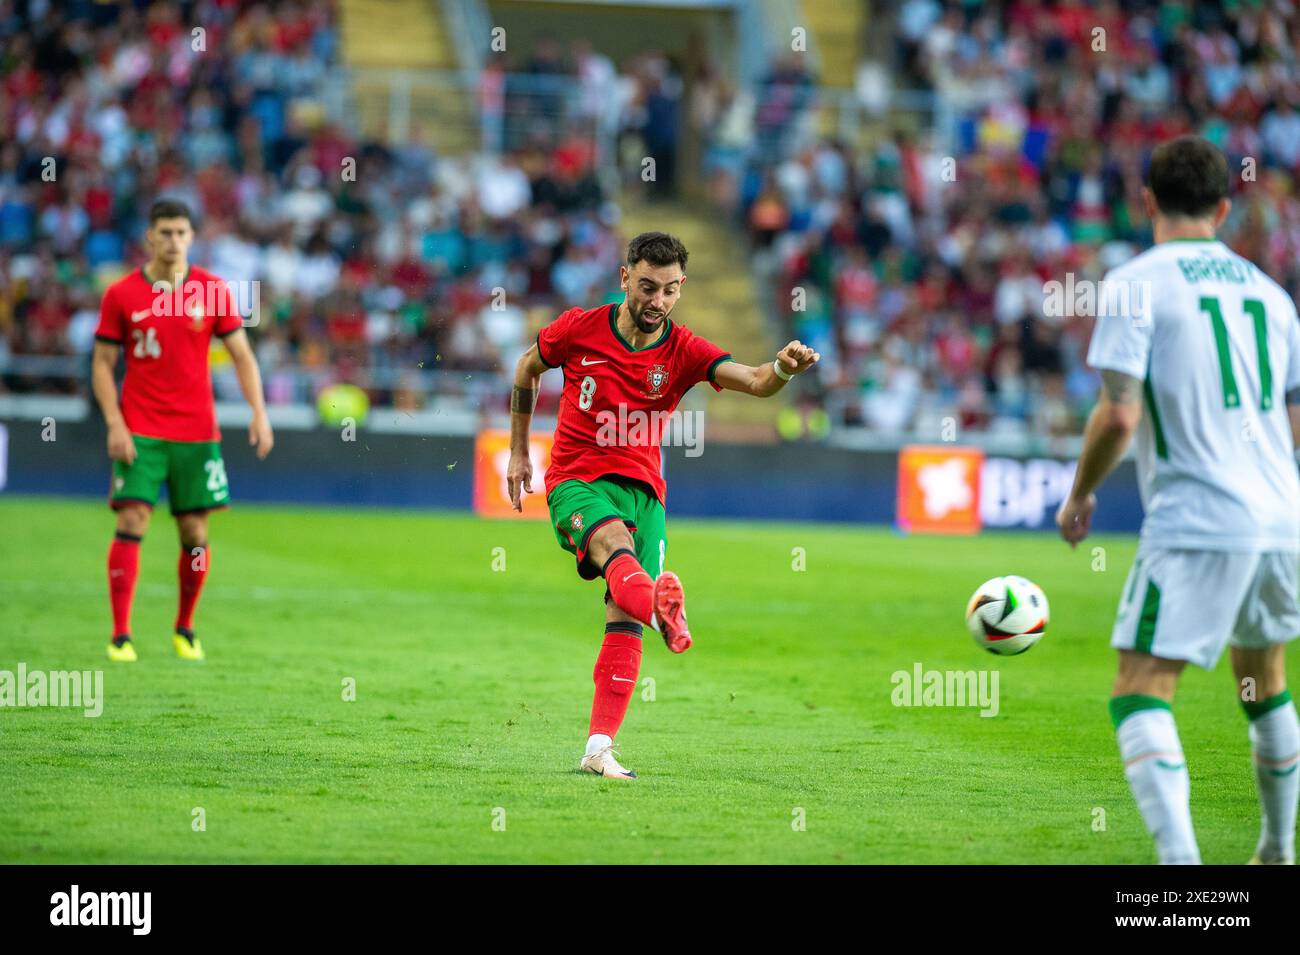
x=776, y=367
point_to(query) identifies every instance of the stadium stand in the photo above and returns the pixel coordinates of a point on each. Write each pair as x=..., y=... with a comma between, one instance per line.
x=899, y=200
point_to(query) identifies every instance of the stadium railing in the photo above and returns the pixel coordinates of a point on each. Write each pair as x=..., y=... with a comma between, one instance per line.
x=460, y=111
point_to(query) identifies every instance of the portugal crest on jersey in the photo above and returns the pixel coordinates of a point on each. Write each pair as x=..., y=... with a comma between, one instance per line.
x=576, y=521
x=656, y=378
x=196, y=318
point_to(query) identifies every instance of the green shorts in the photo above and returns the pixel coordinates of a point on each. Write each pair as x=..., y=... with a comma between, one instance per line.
x=193, y=470
x=578, y=508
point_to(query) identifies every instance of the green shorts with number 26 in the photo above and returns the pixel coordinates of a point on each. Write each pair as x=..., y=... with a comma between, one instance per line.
x=578, y=508
x=193, y=470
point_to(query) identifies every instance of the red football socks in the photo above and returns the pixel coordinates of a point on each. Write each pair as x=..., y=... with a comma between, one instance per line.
x=192, y=570
x=632, y=589
x=123, y=569
x=616, y=671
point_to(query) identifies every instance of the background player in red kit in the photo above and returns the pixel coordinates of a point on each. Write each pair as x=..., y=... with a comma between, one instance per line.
x=165, y=429
x=624, y=363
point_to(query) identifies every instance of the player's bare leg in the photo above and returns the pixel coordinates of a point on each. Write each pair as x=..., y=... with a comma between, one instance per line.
x=191, y=571
x=660, y=602
x=123, y=569
x=1152, y=752
x=1275, y=748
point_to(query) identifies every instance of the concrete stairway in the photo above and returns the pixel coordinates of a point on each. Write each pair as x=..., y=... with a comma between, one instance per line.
x=836, y=28
x=379, y=35
x=398, y=34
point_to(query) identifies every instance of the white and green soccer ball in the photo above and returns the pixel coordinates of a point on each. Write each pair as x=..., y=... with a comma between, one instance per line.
x=1007, y=615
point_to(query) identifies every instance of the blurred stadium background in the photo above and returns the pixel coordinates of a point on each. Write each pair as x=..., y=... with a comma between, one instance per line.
x=420, y=185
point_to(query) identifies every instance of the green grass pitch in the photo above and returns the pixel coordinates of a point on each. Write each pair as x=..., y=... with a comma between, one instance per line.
x=473, y=686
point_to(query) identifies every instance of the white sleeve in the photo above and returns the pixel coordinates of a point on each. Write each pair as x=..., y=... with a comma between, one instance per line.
x=1121, y=338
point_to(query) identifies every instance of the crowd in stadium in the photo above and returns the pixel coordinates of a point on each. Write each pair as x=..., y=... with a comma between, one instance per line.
x=916, y=268
x=922, y=263
x=388, y=267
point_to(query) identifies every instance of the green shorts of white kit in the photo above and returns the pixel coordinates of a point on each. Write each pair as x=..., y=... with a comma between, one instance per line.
x=1189, y=604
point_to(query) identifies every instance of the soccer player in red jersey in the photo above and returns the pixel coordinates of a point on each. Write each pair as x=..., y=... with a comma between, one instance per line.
x=626, y=366
x=163, y=316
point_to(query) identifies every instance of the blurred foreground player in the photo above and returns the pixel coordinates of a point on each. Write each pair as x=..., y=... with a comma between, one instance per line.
x=164, y=430
x=1215, y=357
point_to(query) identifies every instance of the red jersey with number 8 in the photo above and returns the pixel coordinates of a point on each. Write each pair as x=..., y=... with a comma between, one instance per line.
x=617, y=399
x=165, y=337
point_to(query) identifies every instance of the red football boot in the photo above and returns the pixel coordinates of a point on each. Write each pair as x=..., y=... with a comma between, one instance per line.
x=670, y=612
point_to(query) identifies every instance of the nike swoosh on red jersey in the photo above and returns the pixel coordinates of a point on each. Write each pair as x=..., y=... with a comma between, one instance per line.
x=585, y=363
x=140, y=315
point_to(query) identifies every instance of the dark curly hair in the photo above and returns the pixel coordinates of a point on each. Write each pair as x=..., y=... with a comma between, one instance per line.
x=657, y=248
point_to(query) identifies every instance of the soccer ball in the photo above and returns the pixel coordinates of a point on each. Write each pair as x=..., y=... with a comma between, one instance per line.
x=1007, y=615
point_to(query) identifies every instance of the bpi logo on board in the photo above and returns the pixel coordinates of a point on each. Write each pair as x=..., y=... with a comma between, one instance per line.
x=948, y=490
x=1024, y=493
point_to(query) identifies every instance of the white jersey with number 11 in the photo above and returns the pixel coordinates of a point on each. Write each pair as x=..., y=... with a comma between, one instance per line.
x=1216, y=344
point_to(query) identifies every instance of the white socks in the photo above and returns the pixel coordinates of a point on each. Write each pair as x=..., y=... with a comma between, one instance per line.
x=1157, y=774
x=1275, y=746
x=598, y=741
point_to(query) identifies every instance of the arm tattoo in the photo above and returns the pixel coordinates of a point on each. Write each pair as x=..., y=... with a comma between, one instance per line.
x=522, y=400
x=1120, y=388
x=1293, y=396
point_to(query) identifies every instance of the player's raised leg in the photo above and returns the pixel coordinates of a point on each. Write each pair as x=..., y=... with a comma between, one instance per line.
x=631, y=587
x=1153, y=754
x=123, y=571
x=651, y=537
x=192, y=571
x=656, y=601
x=1275, y=748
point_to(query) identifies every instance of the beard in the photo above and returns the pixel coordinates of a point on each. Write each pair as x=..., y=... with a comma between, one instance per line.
x=646, y=324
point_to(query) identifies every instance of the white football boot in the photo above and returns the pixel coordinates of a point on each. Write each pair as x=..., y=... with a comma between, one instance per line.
x=603, y=763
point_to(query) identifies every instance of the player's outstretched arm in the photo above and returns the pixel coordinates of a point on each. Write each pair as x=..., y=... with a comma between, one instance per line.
x=1110, y=428
x=523, y=398
x=764, y=380
x=121, y=446
x=250, y=383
